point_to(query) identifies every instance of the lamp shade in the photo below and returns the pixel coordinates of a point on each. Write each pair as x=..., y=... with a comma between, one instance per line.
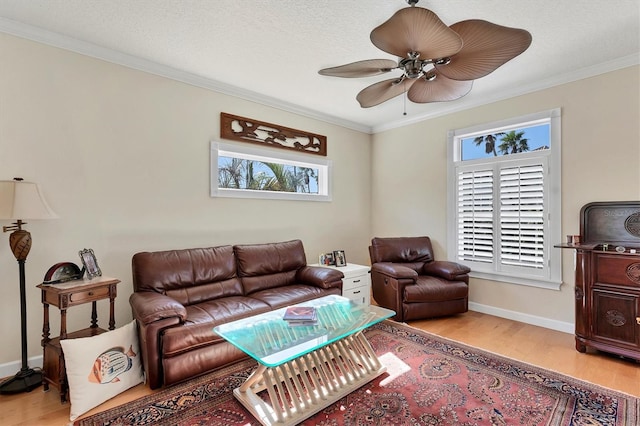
x=21, y=200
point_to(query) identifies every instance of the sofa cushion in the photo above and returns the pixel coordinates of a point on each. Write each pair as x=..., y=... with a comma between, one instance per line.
x=263, y=266
x=190, y=275
x=197, y=331
x=292, y=294
x=203, y=292
x=264, y=282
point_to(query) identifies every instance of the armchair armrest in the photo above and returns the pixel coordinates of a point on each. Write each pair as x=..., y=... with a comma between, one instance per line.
x=148, y=307
x=394, y=270
x=388, y=283
x=444, y=269
x=320, y=277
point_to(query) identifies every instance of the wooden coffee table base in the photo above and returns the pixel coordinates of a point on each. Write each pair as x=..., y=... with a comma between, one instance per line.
x=299, y=388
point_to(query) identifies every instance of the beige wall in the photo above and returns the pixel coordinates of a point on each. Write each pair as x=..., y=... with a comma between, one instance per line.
x=600, y=161
x=123, y=158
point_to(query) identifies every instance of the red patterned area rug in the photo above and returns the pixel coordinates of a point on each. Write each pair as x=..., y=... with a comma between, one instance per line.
x=429, y=381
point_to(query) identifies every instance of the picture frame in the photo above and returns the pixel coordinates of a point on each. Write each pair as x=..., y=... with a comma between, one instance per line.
x=327, y=259
x=90, y=263
x=340, y=258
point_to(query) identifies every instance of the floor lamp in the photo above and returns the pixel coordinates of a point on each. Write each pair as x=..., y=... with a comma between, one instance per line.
x=21, y=200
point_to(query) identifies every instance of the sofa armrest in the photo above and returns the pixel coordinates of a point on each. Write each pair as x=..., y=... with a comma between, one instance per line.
x=154, y=312
x=148, y=307
x=320, y=277
x=451, y=271
x=394, y=270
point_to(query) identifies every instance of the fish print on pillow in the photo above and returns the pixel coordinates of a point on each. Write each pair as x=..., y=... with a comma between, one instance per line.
x=110, y=364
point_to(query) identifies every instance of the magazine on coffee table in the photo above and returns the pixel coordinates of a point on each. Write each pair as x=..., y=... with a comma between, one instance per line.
x=300, y=314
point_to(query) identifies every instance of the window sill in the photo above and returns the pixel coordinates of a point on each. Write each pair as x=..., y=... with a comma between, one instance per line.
x=530, y=282
x=270, y=195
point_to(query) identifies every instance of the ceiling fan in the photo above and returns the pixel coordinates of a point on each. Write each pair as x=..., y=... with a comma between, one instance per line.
x=438, y=63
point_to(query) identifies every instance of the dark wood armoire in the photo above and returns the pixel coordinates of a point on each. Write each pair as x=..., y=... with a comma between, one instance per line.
x=607, y=278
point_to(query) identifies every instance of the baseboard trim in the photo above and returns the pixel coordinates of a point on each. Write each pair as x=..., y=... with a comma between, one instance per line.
x=565, y=327
x=10, y=369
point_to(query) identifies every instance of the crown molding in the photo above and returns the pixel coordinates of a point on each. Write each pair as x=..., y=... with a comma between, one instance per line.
x=50, y=38
x=575, y=75
x=88, y=49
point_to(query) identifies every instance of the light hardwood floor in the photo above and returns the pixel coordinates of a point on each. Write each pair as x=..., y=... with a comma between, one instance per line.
x=535, y=345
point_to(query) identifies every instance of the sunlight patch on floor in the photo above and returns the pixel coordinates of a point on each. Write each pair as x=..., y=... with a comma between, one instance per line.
x=395, y=367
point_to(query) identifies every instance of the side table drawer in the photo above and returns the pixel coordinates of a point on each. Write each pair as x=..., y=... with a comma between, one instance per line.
x=88, y=295
x=358, y=294
x=353, y=282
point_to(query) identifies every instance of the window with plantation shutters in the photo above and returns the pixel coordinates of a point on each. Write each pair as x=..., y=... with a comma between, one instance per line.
x=504, y=196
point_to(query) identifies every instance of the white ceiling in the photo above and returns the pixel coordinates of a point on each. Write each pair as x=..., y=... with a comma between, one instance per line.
x=270, y=51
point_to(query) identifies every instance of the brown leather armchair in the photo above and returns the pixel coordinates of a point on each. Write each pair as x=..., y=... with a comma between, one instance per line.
x=406, y=278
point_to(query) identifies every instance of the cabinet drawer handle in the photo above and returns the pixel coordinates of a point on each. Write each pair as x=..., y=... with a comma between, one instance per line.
x=90, y=293
x=356, y=292
x=356, y=281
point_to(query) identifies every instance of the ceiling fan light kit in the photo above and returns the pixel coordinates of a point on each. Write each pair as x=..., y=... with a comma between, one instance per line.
x=438, y=62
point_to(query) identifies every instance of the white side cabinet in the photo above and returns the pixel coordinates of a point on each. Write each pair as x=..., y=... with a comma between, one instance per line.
x=356, y=284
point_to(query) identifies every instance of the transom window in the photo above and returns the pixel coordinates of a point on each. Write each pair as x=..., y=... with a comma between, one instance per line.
x=504, y=193
x=248, y=172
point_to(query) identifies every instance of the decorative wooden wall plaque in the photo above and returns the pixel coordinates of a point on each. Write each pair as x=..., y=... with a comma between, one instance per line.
x=258, y=132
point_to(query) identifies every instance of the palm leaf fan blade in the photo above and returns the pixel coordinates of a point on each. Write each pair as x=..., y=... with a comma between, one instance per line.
x=438, y=89
x=365, y=68
x=487, y=46
x=382, y=91
x=414, y=29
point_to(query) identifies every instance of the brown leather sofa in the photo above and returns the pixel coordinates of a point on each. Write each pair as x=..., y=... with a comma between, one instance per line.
x=406, y=278
x=180, y=295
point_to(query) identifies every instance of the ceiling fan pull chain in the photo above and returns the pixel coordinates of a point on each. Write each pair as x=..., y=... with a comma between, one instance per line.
x=405, y=97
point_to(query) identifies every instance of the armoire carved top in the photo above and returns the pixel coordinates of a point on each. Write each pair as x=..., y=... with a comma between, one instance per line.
x=616, y=223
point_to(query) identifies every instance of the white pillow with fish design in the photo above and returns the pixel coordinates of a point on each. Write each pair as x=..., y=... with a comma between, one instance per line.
x=100, y=367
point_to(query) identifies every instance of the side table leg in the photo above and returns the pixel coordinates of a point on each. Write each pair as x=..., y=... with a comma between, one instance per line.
x=62, y=377
x=94, y=315
x=63, y=324
x=112, y=320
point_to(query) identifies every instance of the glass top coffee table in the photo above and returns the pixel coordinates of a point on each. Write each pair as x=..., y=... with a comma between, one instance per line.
x=305, y=368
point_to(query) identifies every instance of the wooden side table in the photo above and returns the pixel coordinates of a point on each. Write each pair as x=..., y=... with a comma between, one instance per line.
x=64, y=296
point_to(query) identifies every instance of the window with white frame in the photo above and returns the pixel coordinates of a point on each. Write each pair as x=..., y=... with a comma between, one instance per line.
x=247, y=172
x=504, y=199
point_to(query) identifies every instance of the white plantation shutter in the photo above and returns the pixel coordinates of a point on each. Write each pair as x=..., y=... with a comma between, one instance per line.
x=522, y=213
x=475, y=215
x=501, y=216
